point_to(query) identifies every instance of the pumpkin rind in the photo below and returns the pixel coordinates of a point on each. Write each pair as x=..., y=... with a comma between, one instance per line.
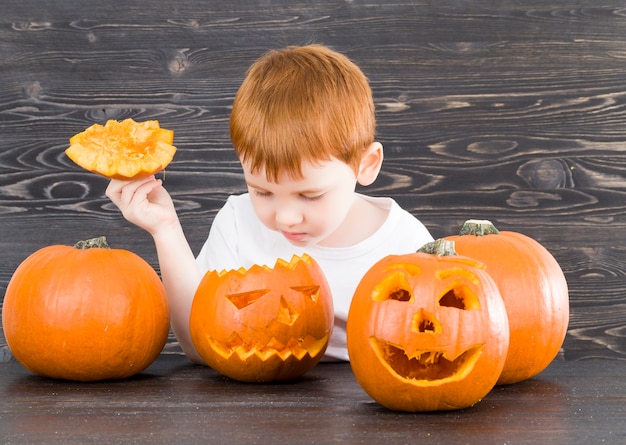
x=534, y=290
x=263, y=324
x=427, y=332
x=123, y=150
x=85, y=315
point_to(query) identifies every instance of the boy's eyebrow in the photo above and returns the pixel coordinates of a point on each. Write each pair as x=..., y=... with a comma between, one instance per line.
x=303, y=192
x=251, y=184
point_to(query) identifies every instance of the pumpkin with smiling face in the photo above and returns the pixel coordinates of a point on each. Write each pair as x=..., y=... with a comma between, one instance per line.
x=263, y=324
x=427, y=332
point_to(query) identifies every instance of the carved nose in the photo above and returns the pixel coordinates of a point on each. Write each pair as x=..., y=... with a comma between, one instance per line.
x=424, y=321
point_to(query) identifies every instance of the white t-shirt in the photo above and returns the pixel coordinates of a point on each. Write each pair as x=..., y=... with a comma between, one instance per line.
x=239, y=239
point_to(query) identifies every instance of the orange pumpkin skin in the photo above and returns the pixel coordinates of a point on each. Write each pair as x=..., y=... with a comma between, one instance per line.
x=263, y=324
x=427, y=332
x=534, y=290
x=85, y=314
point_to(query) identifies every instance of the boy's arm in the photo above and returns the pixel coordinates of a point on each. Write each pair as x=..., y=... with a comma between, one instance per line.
x=147, y=204
x=181, y=277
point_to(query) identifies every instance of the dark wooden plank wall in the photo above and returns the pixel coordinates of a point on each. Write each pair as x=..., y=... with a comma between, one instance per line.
x=512, y=111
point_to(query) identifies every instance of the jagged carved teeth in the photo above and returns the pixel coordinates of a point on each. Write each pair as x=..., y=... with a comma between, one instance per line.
x=298, y=347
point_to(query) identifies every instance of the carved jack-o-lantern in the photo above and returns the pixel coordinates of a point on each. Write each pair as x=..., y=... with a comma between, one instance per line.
x=263, y=324
x=427, y=332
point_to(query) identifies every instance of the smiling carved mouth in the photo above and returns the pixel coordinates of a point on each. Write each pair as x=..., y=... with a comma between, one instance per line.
x=425, y=366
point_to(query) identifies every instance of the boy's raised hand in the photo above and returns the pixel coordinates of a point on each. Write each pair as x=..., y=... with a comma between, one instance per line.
x=143, y=202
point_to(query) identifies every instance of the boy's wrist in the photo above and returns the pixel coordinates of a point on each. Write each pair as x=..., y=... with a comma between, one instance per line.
x=167, y=231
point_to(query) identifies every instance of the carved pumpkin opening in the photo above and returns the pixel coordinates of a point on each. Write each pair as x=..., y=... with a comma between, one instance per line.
x=246, y=298
x=296, y=347
x=451, y=299
x=460, y=297
x=286, y=314
x=426, y=322
x=425, y=366
x=400, y=295
x=394, y=287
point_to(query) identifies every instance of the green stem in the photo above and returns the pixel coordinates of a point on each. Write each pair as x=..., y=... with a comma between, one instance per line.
x=99, y=242
x=439, y=247
x=478, y=227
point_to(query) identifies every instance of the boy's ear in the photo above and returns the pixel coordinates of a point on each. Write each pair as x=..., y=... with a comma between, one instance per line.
x=371, y=162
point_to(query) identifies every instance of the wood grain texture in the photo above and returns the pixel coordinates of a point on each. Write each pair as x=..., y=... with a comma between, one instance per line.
x=514, y=112
x=571, y=403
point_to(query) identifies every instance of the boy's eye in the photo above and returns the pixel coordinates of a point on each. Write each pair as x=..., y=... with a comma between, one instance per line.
x=262, y=194
x=313, y=197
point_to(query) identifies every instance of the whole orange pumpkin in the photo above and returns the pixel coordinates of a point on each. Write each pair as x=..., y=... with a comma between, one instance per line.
x=534, y=290
x=427, y=332
x=85, y=313
x=263, y=324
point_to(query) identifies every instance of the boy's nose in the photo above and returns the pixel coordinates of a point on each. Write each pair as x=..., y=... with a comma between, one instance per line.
x=288, y=216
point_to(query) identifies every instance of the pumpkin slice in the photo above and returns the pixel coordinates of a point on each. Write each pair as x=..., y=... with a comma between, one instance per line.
x=123, y=150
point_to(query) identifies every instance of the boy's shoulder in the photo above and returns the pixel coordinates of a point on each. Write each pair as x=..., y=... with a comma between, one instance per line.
x=239, y=202
x=400, y=223
x=390, y=205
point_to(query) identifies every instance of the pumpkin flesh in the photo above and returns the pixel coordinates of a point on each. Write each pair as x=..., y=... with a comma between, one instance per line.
x=123, y=150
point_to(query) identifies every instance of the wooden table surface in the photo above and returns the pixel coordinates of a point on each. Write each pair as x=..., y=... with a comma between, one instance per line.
x=176, y=402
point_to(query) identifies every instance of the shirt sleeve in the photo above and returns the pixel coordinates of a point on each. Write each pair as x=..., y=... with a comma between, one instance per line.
x=220, y=250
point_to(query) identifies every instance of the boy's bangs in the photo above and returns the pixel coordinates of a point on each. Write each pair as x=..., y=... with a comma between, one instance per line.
x=285, y=147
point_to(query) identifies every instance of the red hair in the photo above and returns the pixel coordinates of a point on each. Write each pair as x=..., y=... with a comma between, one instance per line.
x=302, y=104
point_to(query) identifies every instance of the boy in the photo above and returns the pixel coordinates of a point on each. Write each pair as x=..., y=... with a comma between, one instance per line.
x=303, y=127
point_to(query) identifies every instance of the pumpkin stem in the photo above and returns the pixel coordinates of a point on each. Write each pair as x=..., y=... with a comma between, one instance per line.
x=439, y=247
x=99, y=242
x=478, y=227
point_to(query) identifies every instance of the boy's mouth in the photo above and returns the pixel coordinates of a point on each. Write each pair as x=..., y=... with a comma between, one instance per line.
x=294, y=237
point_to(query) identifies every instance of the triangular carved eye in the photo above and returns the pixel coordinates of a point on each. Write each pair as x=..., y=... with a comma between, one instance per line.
x=460, y=297
x=311, y=292
x=400, y=295
x=246, y=298
x=394, y=286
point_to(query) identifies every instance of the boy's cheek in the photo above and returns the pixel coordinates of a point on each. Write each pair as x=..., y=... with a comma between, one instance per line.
x=263, y=212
